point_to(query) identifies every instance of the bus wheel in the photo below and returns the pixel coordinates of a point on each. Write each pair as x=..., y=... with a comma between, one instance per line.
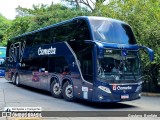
x=17, y=80
x=56, y=90
x=68, y=91
x=13, y=79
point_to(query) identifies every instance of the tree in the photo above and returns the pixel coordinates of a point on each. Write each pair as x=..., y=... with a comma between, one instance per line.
x=43, y=15
x=40, y=16
x=4, y=24
x=17, y=27
x=89, y=4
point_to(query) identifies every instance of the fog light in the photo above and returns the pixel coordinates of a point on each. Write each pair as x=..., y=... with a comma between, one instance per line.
x=100, y=97
x=140, y=95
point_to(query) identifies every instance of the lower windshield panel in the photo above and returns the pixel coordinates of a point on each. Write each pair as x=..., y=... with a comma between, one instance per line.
x=119, y=65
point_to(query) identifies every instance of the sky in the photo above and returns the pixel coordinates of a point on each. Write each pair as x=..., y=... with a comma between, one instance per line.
x=8, y=7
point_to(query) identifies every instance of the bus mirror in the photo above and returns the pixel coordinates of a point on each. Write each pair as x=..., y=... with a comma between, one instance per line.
x=150, y=52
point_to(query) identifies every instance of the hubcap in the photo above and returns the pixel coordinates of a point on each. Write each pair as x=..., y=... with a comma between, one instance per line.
x=13, y=79
x=56, y=89
x=69, y=91
x=17, y=80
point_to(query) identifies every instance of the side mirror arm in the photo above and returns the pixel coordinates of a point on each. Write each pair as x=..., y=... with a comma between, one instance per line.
x=150, y=52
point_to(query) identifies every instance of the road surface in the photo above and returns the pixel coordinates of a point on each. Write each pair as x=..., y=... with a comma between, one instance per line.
x=12, y=96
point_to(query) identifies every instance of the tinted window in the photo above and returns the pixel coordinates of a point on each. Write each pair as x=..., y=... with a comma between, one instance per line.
x=25, y=65
x=35, y=64
x=29, y=40
x=58, y=65
x=42, y=37
x=86, y=63
x=78, y=31
x=112, y=32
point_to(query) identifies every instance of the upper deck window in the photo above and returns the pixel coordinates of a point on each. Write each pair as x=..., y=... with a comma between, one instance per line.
x=112, y=31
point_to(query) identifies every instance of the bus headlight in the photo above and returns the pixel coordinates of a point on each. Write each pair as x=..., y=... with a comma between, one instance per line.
x=105, y=89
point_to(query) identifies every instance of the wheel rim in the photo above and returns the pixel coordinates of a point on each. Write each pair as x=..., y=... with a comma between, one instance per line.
x=69, y=91
x=13, y=78
x=56, y=89
x=17, y=80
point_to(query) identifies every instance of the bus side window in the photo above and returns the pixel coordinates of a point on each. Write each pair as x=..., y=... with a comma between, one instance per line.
x=57, y=64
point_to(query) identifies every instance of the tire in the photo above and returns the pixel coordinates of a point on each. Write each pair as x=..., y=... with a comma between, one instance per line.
x=68, y=91
x=13, y=79
x=17, y=79
x=56, y=90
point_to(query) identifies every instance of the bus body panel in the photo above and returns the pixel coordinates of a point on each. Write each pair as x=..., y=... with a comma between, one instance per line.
x=118, y=92
x=82, y=51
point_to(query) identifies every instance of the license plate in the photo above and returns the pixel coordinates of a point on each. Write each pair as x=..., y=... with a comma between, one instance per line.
x=125, y=96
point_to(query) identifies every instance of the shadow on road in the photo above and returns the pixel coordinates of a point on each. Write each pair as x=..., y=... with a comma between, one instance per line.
x=105, y=105
x=83, y=102
x=35, y=90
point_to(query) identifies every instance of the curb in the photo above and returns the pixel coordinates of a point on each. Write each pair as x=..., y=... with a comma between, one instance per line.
x=151, y=94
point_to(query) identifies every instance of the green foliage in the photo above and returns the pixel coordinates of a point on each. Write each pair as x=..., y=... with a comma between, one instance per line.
x=4, y=24
x=39, y=16
x=43, y=15
x=90, y=5
x=17, y=27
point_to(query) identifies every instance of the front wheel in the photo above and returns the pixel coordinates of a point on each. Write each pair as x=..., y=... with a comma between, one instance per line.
x=68, y=91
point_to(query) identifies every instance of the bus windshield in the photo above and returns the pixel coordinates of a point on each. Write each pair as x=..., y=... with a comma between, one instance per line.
x=105, y=30
x=119, y=65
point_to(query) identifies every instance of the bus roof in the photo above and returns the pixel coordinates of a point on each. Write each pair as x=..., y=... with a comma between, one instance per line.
x=87, y=18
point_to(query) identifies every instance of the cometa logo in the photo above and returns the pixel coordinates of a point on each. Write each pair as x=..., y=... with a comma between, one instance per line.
x=49, y=51
x=122, y=87
x=114, y=87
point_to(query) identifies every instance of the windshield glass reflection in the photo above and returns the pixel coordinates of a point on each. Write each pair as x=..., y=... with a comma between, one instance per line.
x=118, y=65
x=105, y=30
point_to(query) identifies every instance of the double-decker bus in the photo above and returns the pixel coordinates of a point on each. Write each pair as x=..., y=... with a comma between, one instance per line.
x=2, y=60
x=91, y=58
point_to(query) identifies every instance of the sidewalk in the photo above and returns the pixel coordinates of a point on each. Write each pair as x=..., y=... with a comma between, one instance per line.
x=151, y=94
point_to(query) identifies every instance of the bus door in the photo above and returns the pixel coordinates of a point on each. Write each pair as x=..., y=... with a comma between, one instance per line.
x=86, y=65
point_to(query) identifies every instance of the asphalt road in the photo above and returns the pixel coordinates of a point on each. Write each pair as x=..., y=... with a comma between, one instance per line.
x=12, y=96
